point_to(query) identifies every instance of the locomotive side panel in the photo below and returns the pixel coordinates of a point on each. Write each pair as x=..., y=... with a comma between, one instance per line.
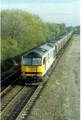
x=48, y=59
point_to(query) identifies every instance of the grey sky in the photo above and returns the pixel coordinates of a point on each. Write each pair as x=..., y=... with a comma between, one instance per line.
x=57, y=11
x=38, y=1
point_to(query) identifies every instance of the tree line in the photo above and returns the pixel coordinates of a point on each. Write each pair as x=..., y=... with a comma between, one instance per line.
x=22, y=31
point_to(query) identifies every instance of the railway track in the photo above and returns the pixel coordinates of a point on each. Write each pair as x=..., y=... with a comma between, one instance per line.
x=12, y=110
x=9, y=79
x=10, y=87
x=9, y=72
x=29, y=105
x=8, y=95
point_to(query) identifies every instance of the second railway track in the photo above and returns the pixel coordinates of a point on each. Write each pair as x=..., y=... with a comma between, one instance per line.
x=12, y=110
x=9, y=79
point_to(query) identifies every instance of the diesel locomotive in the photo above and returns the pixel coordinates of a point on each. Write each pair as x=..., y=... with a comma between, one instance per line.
x=36, y=63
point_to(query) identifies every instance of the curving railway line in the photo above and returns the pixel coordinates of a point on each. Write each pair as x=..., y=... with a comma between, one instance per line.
x=18, y=100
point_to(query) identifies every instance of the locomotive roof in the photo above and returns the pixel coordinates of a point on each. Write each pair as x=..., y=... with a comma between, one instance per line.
x=39, y=51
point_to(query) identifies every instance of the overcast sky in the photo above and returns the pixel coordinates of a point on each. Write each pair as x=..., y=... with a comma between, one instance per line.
x=57, y=11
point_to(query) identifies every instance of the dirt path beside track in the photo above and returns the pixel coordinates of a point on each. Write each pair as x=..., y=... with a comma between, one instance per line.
x=60, y=97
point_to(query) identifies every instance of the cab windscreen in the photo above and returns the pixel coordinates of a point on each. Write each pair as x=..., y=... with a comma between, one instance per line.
x=32, y=61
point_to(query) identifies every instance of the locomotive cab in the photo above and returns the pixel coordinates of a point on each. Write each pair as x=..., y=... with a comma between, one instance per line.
x=32, y=66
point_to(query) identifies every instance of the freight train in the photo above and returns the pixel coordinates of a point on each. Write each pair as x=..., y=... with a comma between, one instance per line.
x=36, y=63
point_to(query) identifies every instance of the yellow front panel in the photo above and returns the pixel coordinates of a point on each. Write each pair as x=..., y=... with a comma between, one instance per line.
x=32, y=69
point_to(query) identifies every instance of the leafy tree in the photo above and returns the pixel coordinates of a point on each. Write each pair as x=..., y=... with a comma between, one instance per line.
x=22, y=31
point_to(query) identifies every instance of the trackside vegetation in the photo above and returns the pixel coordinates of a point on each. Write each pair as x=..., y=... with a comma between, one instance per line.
x=22, y=31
